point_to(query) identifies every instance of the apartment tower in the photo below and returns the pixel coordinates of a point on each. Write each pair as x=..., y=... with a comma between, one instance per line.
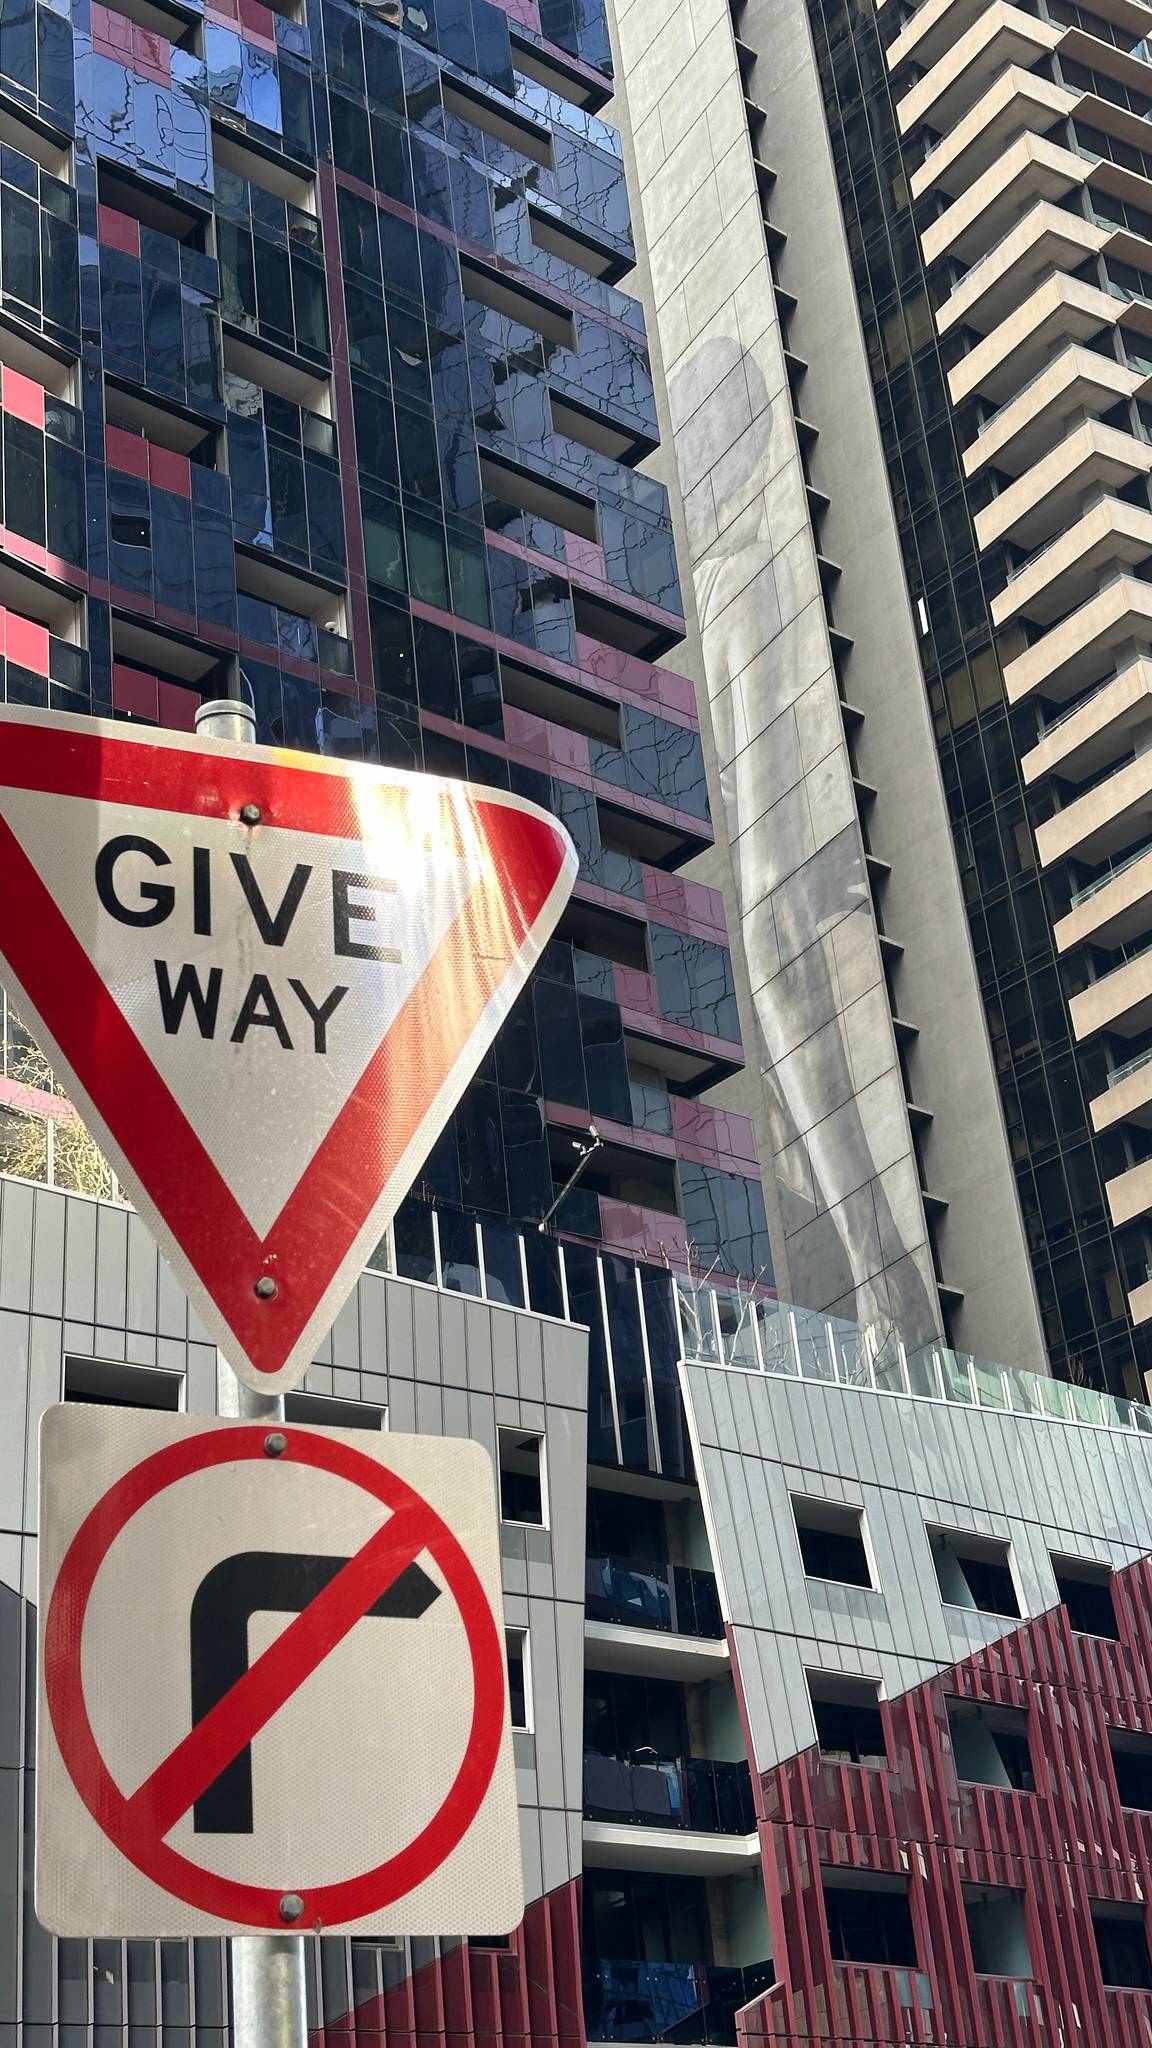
x=898, y=261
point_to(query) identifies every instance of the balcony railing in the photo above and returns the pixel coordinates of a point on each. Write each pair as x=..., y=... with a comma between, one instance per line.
x=1119, y=1074
x=1099, y=882
x=681, y=2002
x=646, y=1790
x=641, y=1594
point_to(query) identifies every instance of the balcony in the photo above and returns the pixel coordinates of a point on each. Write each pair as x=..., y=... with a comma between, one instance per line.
x=934, y=28
x=642, y=1790
x=1016, y=100
x=1022, y=432
x=1128, y=1096
x=1081, y=741
x=1030, y=168
x=1114, y=909
x=1062, y=308
x=1121, y=1001
x=632, y=1593
x=1047, y=238
x=1051, y=492
x=1001, y=35
x=682, y=2002
x=1067, y=571
x=1108, y=818
x=1130, y=1193
x=1077, y=651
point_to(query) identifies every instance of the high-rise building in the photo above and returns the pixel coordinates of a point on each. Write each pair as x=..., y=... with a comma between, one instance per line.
x=897, y=260
x=326, y=380
x=323, y=384
x=318, y=387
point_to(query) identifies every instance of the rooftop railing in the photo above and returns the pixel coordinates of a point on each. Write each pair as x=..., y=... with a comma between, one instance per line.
x=719, y=1327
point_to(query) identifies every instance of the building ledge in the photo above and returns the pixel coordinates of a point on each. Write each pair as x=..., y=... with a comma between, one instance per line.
x=1130, y=1193
x=1121, y=1001
x=1127, y=1100
x=608, y=1846
x=655, y=1652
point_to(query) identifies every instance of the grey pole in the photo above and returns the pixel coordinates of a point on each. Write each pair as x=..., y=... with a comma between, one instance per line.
x=269, y=2004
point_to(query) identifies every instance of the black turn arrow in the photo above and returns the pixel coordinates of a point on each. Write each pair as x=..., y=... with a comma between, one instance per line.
x=263, y=1582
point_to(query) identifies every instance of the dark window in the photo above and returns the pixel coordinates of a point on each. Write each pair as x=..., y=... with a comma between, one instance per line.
x=832, y=1542
x=105, y=1384
x=648, y=1916
x=849, y=1724
x=1132, y=1763
x=521, y=1477
x=516, y=1651
x=626, y=1715
x=412, y=1236
x=974, y=1571
x=333, y=1414
x=990, y=1745
x=997, y=1931
x=869, y=1923
x=625, y=1525
x=1122, y=1946
x=1086, y=1592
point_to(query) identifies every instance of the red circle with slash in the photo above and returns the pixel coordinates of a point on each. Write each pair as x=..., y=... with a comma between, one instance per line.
x=138, y=1823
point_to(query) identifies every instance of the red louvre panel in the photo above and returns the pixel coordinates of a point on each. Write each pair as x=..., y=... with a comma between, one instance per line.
x=526, y=1994
x=1065, y=1847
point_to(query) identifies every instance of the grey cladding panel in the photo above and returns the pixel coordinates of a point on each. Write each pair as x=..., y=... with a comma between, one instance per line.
x=1041, y=1485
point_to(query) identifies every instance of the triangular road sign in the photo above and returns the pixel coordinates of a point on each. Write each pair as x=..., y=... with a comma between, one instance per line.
x=265, y=979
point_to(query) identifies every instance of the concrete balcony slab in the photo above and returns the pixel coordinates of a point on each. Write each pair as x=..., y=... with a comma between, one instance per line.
x=1048, y=238
x=608, y=1846
x=1081, y=649
x=1060, y=309
x=1047, y=495
x=1069, y=568
x=1100, y=730
x=1001, y=35
x=1114, y=911
x=1120, y=1001
x=1110, y=817
x=1031, y=168
x=1127, y=1101
x=1130, y=1194
x=1016, y=102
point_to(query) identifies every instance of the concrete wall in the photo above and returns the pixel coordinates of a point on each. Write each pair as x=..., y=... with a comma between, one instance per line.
x=823, y=1084
x=855, y=1238
x=980, y=1236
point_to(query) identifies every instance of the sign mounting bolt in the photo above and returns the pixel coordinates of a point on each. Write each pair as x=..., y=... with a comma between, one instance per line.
x=275, y=1443
x=250, y=814
x=266, y=1287
x=291, y=1906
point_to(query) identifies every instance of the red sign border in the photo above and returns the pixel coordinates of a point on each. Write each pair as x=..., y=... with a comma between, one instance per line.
x=257, y=1906
x=314, y=1249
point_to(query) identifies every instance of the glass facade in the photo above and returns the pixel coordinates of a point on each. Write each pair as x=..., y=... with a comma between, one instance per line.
x=319, y=386
x=1083, y=1267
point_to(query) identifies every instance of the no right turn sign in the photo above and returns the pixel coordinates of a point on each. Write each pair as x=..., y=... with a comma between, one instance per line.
x=272, y=1682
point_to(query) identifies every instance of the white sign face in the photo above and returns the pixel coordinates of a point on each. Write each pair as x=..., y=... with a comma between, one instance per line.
x=265, y=979
x=272, y=1682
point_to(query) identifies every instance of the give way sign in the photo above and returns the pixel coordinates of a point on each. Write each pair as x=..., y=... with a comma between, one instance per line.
x=265, y=979
x=272, y=1682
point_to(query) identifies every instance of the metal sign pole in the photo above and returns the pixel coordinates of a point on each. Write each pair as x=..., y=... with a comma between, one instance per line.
x=269, y=2003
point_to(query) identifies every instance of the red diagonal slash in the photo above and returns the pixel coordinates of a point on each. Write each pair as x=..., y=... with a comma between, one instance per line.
x=281, y=1670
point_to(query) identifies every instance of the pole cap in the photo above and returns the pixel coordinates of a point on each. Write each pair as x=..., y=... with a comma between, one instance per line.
x=228, y=707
